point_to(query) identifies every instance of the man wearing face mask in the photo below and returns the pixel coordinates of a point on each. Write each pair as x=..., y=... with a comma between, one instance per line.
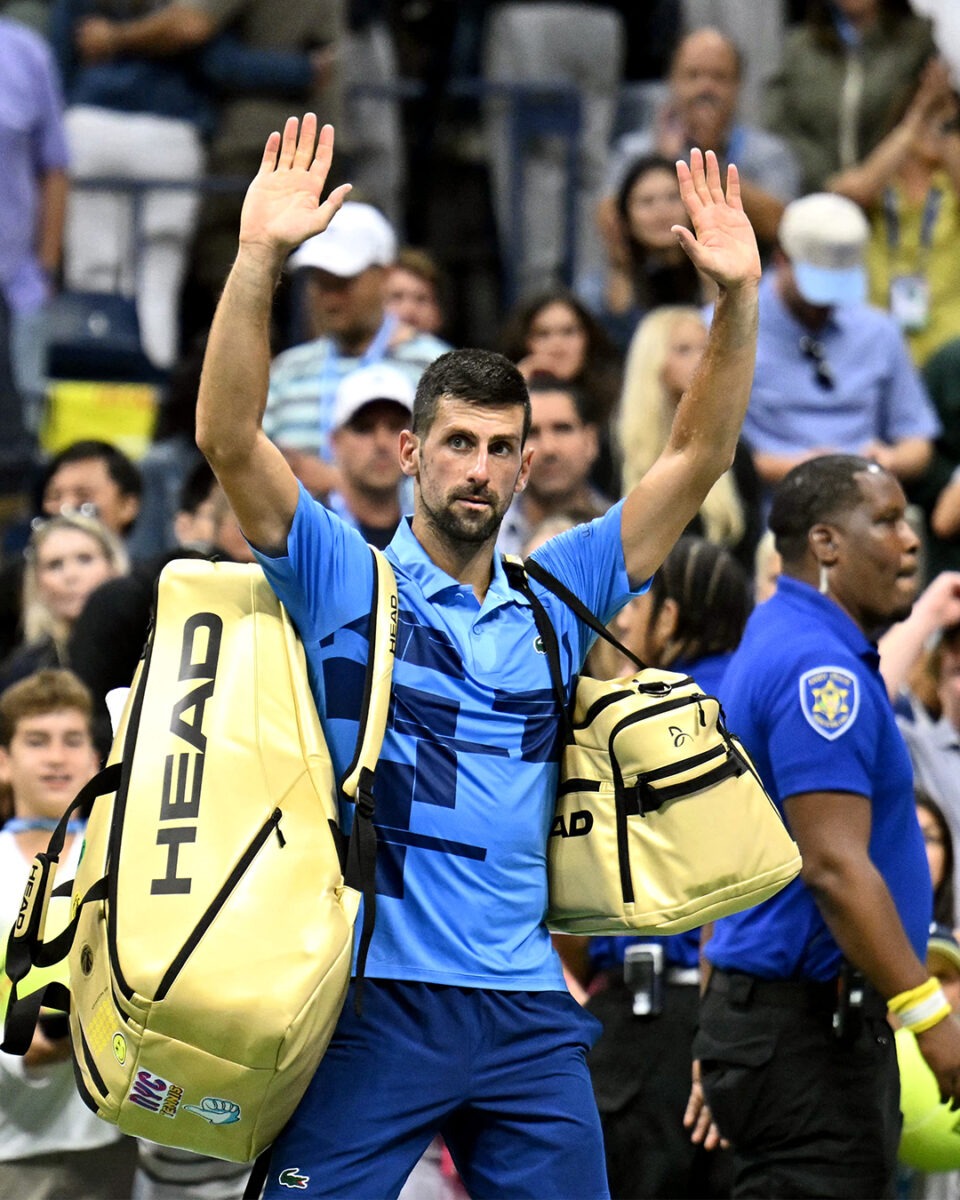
x=833, y=374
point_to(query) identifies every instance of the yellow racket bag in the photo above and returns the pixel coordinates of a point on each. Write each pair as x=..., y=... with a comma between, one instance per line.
x=210, y=948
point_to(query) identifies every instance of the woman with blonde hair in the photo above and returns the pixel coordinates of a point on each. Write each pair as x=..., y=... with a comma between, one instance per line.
x=66, y=558
x=663, y=357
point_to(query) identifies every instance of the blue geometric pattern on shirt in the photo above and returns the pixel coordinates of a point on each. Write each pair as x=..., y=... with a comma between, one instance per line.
x=433, y=719
x=393, y=799
x=541, y=727
x=343, y=681
x=540, y=722
x=361, y=625
x=422, y=714
x=434, y=781
x=436, y=775
x=425, y=647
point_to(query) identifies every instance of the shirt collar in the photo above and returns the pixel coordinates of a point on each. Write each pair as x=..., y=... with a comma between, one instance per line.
x=414, y=561
x=943, y=734
x=801, y=596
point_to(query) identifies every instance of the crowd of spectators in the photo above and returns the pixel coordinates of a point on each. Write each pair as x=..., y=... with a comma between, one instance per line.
x=126, y=128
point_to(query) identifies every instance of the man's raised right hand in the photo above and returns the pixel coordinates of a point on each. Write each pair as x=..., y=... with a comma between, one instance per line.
x=282, y=207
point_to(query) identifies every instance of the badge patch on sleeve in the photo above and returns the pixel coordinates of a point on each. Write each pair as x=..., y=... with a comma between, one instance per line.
x=830, y=698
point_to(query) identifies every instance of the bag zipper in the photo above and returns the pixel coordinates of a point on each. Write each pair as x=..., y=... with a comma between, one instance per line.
x=118, y=812
x=272, y=823
x=654, y=710
x=91, y=1064
x=620, y=792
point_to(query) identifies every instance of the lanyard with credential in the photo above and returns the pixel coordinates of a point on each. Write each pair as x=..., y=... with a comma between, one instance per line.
x=332, y=371
x=891, y=218
x=909, y=297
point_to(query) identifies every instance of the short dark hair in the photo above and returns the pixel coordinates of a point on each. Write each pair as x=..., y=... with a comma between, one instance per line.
x=196, y=488
x=480, y=377
x=542, y=382
x=820, y=489
x=422, y=264
x=121, y=469
x=636, y=170
x=50, y=690
x=713, y=596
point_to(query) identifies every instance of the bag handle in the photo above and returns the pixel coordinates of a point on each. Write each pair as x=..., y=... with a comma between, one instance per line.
x=517, y=569
x=26, y=947
x=384, y=606
x=573, y=602
x=357, y=781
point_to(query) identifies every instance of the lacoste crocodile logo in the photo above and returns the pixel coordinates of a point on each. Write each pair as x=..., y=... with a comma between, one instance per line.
x=290, y=1177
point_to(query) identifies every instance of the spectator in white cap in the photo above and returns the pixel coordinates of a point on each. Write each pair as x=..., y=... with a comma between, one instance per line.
x=346, y=270
x=833, y=374
x=372, y=406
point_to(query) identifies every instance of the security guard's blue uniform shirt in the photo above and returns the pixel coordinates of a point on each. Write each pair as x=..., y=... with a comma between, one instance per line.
x=466, y=783
x=679, y=949
x=804, y=693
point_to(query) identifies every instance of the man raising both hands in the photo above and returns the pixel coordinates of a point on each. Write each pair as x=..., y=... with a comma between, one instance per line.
x=467, y=1028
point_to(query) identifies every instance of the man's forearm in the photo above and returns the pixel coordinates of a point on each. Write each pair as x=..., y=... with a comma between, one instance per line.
x=50, y=218
x=169, y=30
x=857, y=906
x=910, y=457
x=772, y=467
x=236, y=371
x=710, y=415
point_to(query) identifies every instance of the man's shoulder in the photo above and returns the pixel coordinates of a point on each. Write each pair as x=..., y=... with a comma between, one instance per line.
x=760, y=144
x=867, y=319
x=781, y=642
x=418, y=348
x=303, y=359
x=626, y=150
x=24, y=42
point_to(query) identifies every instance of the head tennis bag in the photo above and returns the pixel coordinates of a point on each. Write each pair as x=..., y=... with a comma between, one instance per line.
x=662, y=822
x=210, y=949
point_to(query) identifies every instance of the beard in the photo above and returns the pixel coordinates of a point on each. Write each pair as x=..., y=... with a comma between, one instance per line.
x=457, y=526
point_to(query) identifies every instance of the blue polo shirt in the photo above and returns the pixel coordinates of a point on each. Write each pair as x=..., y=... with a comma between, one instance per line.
x=466, y=783
x=877, y=392
x=804, y=693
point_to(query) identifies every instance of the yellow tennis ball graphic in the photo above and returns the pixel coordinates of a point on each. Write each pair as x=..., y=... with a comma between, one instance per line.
x=930, y=1140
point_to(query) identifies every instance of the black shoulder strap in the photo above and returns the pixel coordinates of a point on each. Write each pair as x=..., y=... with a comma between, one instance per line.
x=571, y=600
x=25, y=946
x=517, y=577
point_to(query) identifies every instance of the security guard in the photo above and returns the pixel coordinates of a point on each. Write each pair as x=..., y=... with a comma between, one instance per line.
x=798, y=1060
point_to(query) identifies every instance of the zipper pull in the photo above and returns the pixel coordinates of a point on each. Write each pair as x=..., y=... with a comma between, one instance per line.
x=277, y=814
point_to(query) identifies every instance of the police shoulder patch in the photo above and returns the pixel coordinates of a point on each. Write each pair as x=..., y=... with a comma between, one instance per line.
x=830, y=700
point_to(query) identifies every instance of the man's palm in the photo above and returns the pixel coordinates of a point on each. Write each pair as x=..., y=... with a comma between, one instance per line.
x=723, y=244
x=282, y=207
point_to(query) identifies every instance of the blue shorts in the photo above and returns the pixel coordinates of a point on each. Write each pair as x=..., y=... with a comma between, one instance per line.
x=501, y=1075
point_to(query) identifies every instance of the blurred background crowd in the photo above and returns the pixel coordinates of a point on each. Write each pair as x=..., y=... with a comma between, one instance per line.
x=514, y=188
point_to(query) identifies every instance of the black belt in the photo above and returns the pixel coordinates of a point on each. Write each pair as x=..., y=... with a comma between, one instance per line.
x=807, y=995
